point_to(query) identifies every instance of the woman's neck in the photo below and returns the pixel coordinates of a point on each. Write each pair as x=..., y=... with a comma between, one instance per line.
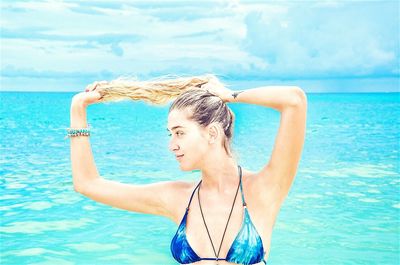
x=220, y=175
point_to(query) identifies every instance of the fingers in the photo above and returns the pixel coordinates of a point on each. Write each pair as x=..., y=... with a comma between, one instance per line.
x=94, y=85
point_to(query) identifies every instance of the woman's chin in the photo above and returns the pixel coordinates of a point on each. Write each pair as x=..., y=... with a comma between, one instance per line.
x=185, y=167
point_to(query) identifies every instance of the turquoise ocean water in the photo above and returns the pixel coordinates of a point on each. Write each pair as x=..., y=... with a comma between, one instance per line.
x=343, y=207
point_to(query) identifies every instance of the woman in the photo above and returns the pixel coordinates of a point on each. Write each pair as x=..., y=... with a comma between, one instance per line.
x=201, y=127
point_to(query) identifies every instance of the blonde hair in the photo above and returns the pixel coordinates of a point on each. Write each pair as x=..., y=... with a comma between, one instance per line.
x=205, y=107
x=158, y=91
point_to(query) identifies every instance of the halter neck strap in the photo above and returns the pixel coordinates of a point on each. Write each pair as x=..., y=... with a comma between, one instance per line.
x=241, y=186
x=240, y=183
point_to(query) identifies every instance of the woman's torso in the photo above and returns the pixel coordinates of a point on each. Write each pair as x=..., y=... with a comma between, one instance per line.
x=260, y=205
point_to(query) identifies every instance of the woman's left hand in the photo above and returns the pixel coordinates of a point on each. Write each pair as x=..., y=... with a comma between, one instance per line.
x=214, y=86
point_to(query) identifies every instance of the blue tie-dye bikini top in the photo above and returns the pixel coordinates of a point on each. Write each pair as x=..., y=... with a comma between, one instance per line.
x=247, y=248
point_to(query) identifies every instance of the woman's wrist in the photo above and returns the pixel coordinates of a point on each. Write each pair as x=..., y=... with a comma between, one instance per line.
x=234, y=96
x=78, y=114
x=78, y=102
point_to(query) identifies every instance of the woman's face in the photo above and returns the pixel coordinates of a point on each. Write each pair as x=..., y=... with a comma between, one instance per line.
x=188, y=141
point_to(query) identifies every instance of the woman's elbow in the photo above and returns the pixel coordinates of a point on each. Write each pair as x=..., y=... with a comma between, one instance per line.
x=300, y=98
x=78, y=188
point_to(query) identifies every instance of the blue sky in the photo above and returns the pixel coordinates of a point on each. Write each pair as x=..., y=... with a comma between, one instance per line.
x=322, y=46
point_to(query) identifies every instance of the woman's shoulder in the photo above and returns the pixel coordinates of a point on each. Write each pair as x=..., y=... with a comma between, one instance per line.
x=180, y=194
x=182, y=186
x=248, y=177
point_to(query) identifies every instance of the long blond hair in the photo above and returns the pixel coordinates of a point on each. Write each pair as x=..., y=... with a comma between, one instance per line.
x=205, y=106
x=158, y=91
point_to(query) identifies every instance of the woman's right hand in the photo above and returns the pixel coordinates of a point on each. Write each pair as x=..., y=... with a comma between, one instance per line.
x=90, y=96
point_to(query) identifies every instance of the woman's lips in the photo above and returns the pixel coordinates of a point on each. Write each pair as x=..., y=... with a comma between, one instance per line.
x=179, y=157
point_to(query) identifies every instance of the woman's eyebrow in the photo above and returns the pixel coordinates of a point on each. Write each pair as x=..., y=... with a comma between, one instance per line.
x=175, y=127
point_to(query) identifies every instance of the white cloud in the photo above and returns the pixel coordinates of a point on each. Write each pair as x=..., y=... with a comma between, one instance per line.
x=238, y=39
x=323, y=41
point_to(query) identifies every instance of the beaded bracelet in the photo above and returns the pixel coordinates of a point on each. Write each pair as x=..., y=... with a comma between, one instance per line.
x=71, y=132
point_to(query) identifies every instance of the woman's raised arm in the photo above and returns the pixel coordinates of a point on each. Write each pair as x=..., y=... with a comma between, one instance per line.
x=83, y=166
x=154, y=198
x=291, y=101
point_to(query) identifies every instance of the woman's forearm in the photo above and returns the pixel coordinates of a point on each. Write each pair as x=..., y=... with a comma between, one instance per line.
x=83, y=165
x=276, y=97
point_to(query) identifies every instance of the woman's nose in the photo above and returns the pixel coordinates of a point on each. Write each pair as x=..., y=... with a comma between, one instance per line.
x=172, y=146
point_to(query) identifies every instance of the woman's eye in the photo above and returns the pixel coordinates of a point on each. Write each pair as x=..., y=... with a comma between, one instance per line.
x=177, y=133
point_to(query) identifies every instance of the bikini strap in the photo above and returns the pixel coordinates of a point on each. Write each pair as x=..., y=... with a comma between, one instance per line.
x=241, y=187
x=191, y=197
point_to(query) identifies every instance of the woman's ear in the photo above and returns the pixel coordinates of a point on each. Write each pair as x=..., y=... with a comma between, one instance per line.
x=213, y=133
